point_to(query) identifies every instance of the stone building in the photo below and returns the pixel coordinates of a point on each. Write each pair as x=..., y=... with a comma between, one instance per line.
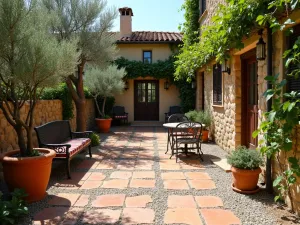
x=235, y=99
x=146, y=98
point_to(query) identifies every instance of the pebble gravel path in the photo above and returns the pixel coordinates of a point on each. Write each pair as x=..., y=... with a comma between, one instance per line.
x=130, y=180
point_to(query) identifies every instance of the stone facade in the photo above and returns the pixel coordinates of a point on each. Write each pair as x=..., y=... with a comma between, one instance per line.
x=45, y=111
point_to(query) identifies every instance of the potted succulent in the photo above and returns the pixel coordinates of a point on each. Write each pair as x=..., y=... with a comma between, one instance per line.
x=203, y=117
x=31, y=59
x=245, y=167
x=104, y=82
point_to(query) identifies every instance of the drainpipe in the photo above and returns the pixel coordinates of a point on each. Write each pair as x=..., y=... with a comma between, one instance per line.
x=269, y=183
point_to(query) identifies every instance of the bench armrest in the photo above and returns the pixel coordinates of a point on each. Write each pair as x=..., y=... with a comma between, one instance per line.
x=58, y=148
x=85, y=134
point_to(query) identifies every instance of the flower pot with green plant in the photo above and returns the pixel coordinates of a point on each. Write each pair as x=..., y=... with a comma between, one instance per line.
x=245, y=169
x=31, y=59
x=104, y=82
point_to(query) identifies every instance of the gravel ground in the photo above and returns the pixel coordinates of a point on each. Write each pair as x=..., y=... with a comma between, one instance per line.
x=252, y=209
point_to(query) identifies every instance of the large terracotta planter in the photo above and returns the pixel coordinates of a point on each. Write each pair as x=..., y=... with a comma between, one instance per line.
x=205, y=135
x=29, y=173
x=103, y=125
x=245, y=181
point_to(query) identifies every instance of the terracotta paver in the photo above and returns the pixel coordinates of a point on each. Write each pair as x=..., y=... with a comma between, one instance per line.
x=184, y=201
x=176, y=184
x=219, y=217
x=91, y=184
x=109, y=200
x=197, y=176
x=101, y=216
x=121, y=175
x=116, y=183
x=88, y=164
x=173, y=176
x=138, y=201
x=52, y=215
x=139, y=183
x=96, y=176
x=137, y=216
x=182, y=215
x=202, y=184
x=141, y=175
x=106, y=165
x=208, y=201
x=72, y=216
x=82, y=201
x=169, y=167
x=78, y=176
x=64, y=199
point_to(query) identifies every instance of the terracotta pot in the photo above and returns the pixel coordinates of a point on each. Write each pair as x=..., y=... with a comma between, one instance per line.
x=245, y=180
x=205, y=135
x=29, y=173
x=103, y=125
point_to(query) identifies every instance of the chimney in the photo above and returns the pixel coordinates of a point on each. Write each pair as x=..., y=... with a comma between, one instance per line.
x=125, y=21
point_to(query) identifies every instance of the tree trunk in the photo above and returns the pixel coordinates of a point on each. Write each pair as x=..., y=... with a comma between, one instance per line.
x=80, y=115
x=21, y=140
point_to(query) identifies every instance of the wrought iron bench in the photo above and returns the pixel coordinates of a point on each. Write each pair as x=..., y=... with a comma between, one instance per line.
x=118, y=113
x=57, y=135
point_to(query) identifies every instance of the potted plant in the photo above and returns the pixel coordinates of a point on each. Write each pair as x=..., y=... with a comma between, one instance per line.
x=202, y=117
x=104, y=82
x=31, y=59
x=245, y=167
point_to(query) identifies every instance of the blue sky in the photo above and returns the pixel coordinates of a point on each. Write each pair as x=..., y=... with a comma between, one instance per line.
x=151, y=15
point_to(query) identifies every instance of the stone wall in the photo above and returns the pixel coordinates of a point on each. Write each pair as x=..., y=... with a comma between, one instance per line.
x=45, y=111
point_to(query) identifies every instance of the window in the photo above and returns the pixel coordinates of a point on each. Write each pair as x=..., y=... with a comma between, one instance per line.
x=293, y=84
x=202, y=5
x=217, y=84
x=147, y=56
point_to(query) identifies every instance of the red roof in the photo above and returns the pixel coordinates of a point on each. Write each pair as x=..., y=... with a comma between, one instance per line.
x=151, y=37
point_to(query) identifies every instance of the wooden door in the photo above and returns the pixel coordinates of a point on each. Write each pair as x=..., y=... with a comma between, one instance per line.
x=250, y=101
x=146, y=100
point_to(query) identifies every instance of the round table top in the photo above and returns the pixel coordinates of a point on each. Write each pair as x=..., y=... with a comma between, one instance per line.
x=174, y=125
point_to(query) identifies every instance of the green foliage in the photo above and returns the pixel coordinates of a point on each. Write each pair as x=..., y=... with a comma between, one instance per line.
x=192, y=115
x=186, y=94
x=110, y=102
x=203, y=117
x=95, y=139
x=158, y=70
x=190, y=28
x=11, y=211
x=244, y=158
x=105, y=82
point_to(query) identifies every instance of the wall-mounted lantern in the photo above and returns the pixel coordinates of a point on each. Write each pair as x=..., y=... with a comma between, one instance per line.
x=126, y=86
x=260, y=47
x=225, y=67
x=166, y=85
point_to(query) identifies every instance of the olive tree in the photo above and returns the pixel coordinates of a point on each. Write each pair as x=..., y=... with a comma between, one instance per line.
x=31, y=58
x=105, y=82
x=90, y=21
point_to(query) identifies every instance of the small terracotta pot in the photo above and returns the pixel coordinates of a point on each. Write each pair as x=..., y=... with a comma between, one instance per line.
x=103, y=125
x=205, y=135
x=245, y=180
x=29, y=173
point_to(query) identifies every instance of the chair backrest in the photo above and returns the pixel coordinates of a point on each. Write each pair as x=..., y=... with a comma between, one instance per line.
x=54, y=132
x=175, y=118
x=175, y=110
x=191, y=129
x=118, y=110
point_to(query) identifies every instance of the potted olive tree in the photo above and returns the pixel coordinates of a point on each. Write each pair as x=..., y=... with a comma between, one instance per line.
x=104, y=82
x=30, y=59
x=245, y=169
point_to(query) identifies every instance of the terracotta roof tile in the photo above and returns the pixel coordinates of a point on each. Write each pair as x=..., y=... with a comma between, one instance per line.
x=151, y=36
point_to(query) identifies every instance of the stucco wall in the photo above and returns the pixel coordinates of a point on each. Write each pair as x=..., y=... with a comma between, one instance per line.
x=135, y=51
x=167, y=98
x=45, y=111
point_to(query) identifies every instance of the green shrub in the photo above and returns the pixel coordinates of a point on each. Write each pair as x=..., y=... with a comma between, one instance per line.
x=95, y=139
x=11, y=211
x=192, y=115
x=244, y=158
x=203, y=117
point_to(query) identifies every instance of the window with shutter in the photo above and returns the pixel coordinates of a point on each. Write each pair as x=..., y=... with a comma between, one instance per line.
x=217, y=85
x=293, y=84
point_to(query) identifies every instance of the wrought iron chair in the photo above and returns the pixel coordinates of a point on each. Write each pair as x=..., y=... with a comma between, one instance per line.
x=173, y=110
x=175, y=118
x=188, y=133
x=118, y=113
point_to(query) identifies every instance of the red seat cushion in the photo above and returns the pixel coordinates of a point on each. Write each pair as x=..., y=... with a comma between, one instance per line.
x=77, y=145
x=120, y=116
